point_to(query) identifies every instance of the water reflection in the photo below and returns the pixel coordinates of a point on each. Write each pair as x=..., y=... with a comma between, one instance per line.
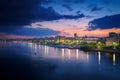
x=70, y=54
x=114, y=59
x=45, y=49
x=63, y=64
x=63, y=52
x=87, y=56
x=77, y=56
x=99, y=57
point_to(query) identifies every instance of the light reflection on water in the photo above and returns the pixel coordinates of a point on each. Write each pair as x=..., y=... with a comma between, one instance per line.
x=72, y=64
x=99, y=57
x=114, y=59
x=68, y=54
x=64, y=54
x=87, y=56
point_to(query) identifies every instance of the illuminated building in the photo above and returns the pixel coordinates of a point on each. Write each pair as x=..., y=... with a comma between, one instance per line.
x=75, y=36
x=90, y=39
x=113, y=39
x=60, y=39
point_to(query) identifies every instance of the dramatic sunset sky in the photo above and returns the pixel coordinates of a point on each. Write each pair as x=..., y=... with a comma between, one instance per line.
x=44, y=18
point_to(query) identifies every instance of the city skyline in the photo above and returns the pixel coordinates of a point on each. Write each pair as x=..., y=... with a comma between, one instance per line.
x=45, y=18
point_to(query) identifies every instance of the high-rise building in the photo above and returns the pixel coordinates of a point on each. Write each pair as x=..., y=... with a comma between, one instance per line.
x=113, y=34
x=60, y=39
x=75, y=36
x=112, y=39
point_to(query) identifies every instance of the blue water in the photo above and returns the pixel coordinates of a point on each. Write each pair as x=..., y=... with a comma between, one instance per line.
x=28, y=61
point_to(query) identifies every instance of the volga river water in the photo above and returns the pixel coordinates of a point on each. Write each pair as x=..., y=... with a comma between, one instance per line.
x=28, y=61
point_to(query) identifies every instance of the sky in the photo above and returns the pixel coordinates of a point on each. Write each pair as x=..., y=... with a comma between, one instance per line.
x=48, y=18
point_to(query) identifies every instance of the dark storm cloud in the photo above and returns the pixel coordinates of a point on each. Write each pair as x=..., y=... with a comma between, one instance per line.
x=68, y=7
x=73, y=17
x=89, y=16
x=49, y=14
x=17, y=12
x=24, y=12
x=106, y=22
x=30, y=31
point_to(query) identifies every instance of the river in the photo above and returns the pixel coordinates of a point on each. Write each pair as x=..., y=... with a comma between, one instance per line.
x=28, y=61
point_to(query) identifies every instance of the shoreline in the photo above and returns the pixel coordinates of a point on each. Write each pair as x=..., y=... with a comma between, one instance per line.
x=78, y=47
x=104, y=50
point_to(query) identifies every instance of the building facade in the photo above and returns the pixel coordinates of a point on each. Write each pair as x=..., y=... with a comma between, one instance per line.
x=113, y=39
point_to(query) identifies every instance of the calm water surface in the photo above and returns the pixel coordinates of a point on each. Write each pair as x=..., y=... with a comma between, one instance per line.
x=28, y=61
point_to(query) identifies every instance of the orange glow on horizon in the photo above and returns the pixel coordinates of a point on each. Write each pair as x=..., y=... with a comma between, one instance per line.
x=68, y=33
x=7, y=36
x=94, y=33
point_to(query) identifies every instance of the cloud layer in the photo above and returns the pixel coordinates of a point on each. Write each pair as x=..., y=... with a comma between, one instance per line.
x=24, y=12
x=55, y=16
x=106, y=22
x=31, y=31
x=15, y=14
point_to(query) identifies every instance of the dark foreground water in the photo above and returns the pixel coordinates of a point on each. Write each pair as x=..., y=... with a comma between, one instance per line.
x=27, y=61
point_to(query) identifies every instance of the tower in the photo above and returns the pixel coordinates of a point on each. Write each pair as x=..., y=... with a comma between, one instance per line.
x=75, y=36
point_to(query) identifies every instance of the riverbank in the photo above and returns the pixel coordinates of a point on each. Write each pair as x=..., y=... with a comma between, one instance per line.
x=79, y=47
x=65, y=46
x=18, y=62
x=104, y=50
